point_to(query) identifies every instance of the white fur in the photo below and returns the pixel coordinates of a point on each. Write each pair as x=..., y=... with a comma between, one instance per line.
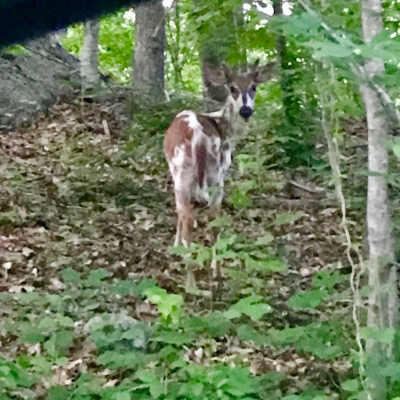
x=184, y=167
x=215, y=114
x=250, y=101
x=239, y=125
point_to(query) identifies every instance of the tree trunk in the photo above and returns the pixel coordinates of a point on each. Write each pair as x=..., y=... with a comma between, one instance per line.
x=290, y=101
x=89, y=58
x=148, y=65
x=383, y=300
x=174, y=44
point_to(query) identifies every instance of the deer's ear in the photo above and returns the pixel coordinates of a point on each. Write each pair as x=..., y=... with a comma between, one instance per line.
x=213, y=75
x=229, y=74
x=255, y=65
x=265, y=73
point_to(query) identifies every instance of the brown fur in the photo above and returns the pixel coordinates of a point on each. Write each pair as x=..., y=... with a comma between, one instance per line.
x=177, y=133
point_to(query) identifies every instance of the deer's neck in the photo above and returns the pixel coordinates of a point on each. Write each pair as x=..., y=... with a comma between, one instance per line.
x=230, y=122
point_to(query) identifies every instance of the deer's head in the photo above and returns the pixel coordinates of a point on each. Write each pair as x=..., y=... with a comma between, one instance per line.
x=240, y=86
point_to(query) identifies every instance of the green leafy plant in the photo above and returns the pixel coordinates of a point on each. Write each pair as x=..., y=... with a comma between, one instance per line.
x=115, y=44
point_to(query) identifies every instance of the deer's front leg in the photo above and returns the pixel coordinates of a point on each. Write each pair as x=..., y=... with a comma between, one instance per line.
x=213, y=213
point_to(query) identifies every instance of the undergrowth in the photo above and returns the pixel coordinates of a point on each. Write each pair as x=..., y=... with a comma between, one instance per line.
x=93, y=305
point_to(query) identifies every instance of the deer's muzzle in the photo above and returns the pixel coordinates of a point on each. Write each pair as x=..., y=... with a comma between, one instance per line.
x=245, y=112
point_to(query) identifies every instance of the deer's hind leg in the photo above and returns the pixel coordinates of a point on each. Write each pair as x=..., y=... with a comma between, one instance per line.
x=184, y=229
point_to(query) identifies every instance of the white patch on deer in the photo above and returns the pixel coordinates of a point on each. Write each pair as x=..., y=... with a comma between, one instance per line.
x=227, y=160
x=191, y=118
x=215, y=114
x=183, y=166
x=239, y=126
x=200, y=191
x=250, y=101
x=177, y=166
x=215, y=146
x=236, y=104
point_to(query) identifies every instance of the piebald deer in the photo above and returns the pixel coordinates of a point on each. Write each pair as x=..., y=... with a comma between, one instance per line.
x=199, y=147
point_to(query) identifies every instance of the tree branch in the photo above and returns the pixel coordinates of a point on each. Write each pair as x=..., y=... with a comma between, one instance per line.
x=357, y=69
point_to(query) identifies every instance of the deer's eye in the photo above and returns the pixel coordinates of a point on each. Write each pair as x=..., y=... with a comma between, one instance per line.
x=253, y=88
x=233, y=89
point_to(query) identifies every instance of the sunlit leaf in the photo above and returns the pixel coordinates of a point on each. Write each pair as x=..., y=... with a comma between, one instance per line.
x=288, y=217
x=251, y=306
x=309, y=299
x=351, y=385
x=275, y=265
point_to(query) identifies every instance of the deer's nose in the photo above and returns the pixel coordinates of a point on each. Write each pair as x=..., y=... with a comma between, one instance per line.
x=245, y=112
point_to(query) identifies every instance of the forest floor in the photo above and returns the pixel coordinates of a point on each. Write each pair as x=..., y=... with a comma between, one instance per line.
x=73, y=195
